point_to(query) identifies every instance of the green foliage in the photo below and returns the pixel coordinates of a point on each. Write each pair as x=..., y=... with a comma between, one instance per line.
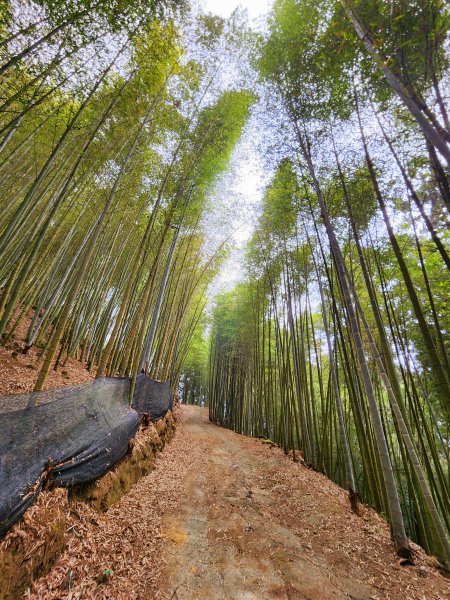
x=409, y=36
x=230, y=318
x=291, y=357
x=197, y=356
x=107, y=164
x=211, y=28
x=296, y=58
x=119, y=14
x=359, y=190
x=279, y=210
x=314, y=54
x=220, y=125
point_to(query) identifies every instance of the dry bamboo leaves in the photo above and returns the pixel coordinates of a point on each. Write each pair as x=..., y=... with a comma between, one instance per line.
x=147, y=538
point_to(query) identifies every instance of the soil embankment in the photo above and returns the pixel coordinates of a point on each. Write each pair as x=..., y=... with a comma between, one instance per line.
x=63, y=521
x=19, y=371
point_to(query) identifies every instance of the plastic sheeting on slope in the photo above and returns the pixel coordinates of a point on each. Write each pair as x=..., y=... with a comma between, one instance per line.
x=69, y=435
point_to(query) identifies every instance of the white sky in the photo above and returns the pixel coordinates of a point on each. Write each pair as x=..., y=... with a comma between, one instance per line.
x=241, y=186
x=224, y=8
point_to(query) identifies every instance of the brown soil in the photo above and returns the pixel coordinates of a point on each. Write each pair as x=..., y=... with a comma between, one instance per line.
x=225, y=517
x=18, y=371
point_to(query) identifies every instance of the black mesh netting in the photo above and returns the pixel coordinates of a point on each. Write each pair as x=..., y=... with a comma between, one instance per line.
x=69, y=435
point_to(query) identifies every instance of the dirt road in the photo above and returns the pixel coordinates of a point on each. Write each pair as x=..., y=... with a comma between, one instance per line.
x=225, y=543
x=254, y=525
x=226, y=517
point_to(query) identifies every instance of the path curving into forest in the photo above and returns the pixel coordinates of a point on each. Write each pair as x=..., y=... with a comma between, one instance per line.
x=226, y=517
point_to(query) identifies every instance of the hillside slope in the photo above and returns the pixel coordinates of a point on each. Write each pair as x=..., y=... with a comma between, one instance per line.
x=228, y=517
x=19, y=371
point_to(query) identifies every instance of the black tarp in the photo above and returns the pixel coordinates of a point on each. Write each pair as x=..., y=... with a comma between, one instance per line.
x=69, y=435
x=152, y=397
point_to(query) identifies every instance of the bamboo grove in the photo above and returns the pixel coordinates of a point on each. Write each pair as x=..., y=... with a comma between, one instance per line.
x=116, y=122
x=112, y=135
x=336, y=346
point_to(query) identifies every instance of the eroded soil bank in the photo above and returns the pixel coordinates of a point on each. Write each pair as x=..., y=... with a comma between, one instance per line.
x=224, y=517
x=62, y=518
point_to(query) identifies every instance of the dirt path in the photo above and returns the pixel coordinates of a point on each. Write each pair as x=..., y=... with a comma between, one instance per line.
x=255, y=525
x=225, y=517
x=225, y=543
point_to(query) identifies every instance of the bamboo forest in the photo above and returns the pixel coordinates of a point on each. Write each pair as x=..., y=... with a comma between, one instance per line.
x=220, y=216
